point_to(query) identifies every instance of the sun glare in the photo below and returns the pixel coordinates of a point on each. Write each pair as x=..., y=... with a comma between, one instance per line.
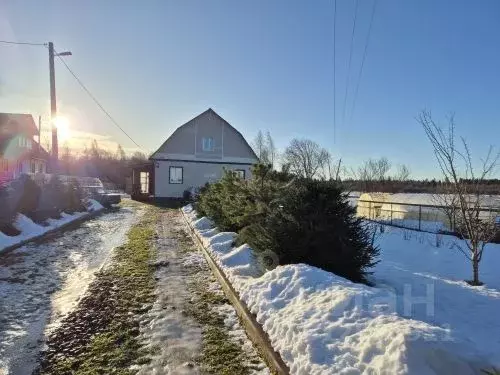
x=62, y=125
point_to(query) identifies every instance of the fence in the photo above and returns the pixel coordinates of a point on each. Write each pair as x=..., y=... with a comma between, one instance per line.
x=421, y=217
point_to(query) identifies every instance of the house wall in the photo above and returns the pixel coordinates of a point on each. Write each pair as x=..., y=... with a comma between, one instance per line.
x=195, y=174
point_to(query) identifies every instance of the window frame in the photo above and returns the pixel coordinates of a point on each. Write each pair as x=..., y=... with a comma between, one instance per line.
x=210, y=141
x=244, y=173
x=170, y=175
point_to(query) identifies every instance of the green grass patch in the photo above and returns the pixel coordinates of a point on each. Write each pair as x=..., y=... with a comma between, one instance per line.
x=101, y=335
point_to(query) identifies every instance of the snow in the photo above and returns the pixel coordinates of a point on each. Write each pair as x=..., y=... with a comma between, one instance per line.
x=30, y=229
x=420, y=318
x=416, y=267
x=94, y=205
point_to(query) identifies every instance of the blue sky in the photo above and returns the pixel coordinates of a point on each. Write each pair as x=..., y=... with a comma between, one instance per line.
x=263, y=64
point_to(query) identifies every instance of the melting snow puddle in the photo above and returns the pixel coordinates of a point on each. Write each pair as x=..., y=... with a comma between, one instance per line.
x=41, y=283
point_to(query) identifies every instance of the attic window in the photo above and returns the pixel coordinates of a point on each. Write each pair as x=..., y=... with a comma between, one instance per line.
x=208, y=144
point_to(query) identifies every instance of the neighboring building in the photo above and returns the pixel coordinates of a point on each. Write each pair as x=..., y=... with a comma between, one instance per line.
x=196, y=153
x=19, y=152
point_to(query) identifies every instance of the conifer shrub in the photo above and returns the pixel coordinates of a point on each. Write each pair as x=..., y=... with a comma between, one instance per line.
x=313, y=223
x=300, y=220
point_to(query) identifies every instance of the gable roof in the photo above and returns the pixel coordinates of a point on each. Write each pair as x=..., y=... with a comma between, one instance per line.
x=17, y=123
x=209, y=110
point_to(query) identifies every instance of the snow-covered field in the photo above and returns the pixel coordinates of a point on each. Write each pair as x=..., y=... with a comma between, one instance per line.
x=29, y=229
x=40, y=283
x=420, y=318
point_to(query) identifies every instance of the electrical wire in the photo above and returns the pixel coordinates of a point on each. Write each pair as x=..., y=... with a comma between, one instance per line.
x=334, y=71
x=363, y=59
x=23, y=43
x=96, y=101
x=350, y=60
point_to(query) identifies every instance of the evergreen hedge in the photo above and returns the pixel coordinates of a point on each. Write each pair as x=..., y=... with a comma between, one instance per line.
x=300, y=220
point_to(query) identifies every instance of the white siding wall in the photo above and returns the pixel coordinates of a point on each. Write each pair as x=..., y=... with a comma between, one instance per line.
x=194, y=175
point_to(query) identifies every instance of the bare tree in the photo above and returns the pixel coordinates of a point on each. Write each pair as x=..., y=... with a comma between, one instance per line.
x=371, y=171
x=305, y=157
x=120, y=153
x=271, y=149
x=402, y=173
x=326, y=169
x=379, y=168
x=259, y=145
x=448, y=204
x=456, y=164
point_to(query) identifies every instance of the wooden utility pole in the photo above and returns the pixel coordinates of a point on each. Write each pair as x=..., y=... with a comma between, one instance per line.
x=53, y=110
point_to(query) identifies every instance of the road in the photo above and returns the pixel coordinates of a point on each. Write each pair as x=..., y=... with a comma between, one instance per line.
x=40, y=283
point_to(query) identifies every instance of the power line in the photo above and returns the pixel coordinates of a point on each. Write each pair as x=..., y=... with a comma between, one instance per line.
x=96, y=101
x=350, y=60
x=334, y=74
x=23, y=43
x=364, y=58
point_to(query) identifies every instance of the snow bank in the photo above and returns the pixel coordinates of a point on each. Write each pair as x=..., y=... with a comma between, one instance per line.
x=321, y=323
x=418, y=268
x=324, y=324
x=29, y=229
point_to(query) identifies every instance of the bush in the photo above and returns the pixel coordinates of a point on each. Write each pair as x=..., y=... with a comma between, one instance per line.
x=29, y=196
x=300, y=220
x=7, y=213
x=73, y=197
x=53, y=198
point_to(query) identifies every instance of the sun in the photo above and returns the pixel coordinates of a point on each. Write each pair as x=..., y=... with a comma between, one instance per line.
x=63, y=130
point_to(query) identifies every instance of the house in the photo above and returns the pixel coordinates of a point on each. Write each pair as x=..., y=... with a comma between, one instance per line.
x=19, y=152
x=194, y=154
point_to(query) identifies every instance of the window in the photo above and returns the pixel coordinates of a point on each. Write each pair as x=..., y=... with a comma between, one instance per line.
x=176, y=175
x=208, y=144
x=33, y=166
x=25, y=142
x=40, y=167
x=240, y=173
x=144, y=177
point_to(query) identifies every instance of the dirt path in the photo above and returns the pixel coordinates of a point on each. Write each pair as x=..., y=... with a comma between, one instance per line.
x=191, y=328
x=40, y=283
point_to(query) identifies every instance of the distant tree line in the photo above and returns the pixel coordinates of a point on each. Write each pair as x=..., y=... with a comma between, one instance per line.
x=306, y=158
x=95, y=161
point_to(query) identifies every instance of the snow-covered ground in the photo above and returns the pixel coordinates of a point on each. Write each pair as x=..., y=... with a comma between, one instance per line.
x=40, y=283
x=420, y=318
x=29, y=229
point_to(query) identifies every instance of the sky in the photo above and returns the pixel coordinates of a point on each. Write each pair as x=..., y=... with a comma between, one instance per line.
x=263, y=65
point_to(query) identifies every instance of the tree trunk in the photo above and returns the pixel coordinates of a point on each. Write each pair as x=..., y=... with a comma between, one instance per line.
x=475, y=268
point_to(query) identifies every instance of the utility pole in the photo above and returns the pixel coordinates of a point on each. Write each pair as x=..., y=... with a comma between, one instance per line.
x=39, y=132
x=53, y=110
